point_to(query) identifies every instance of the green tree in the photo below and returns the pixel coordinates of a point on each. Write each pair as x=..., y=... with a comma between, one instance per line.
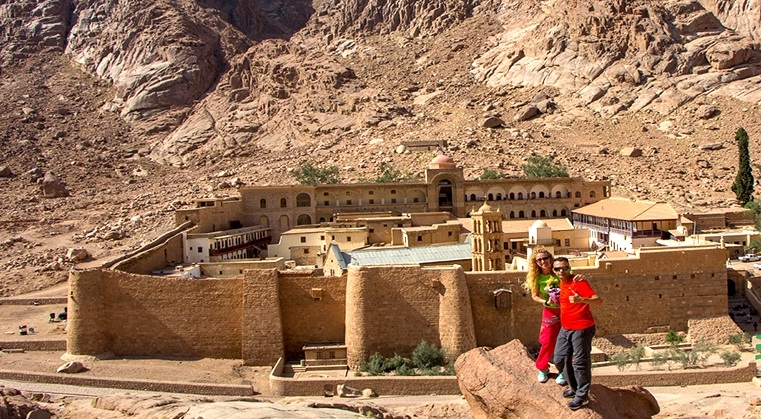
x=743, y=186
x=389, y=174
x=311, y=175
x=489, y=174
x=537, y=166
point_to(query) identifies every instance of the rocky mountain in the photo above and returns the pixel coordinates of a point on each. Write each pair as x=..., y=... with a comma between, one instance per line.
x=139, y=107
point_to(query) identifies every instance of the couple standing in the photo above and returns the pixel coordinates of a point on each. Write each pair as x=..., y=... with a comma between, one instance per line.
x=567, y=323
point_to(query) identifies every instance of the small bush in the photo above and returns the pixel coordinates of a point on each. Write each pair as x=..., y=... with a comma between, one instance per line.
x=659, y=359
x=636, y=354
x=311, y=175
x=673, y=338
x=621, y=360
x=491, y=174
x=731, y=358
x=426, y=356
x=395, y=362
x=740, y=340
x=405, y=370
x=375, y=365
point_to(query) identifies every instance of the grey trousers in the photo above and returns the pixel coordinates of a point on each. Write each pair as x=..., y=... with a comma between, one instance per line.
x=573, y=357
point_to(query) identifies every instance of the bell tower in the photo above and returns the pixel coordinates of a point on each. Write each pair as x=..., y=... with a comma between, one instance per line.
x=487, y=252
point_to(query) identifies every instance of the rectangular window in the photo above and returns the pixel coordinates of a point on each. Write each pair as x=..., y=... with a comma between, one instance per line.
x=419, y=238
x=393, y=200
x=449, y=233
x=322, y=238
x=567, y=242
x=326, y=203
x=557, y=242
x=325, y=194
x=348, y=202
x=370, y=193
x=303, y=239
x=372, y=201
x=332, y=237
x=348, y=238
x=415, y=199
x=306, y=251
x=393, y=192
x=372, y=230
x=200, y=249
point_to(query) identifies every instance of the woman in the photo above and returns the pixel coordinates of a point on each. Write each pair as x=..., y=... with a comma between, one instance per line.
x=539, y=282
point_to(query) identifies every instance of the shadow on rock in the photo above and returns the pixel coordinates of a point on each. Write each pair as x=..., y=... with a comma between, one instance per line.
x=501, y=383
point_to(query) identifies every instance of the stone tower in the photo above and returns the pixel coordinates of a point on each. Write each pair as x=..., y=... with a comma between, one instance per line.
x=487, y=239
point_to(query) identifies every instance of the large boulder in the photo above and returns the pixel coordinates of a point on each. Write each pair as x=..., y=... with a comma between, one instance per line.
x=501, y=383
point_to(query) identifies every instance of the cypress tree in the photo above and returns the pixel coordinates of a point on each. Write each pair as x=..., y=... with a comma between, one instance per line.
x=743, y=186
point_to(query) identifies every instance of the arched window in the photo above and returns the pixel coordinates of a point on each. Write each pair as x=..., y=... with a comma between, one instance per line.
x=499, y=197
x=533, y=195
x=563, y=213
x=554, y=213
x=491, y=197
x=592, y=194
x=512, y=214
x=303, y=200
x=303, y=220
x=558, y=194
x=578, y=194
x=520, y=195
x=472, y=197
x=262, y=203
x=533, y=213
x=322, y=219
x=542, y=213
x=283, y=203
x=521, y=214
x=512, y=195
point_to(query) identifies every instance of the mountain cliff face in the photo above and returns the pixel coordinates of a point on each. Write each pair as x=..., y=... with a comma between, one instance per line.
x=215, y=75
x=141, y=106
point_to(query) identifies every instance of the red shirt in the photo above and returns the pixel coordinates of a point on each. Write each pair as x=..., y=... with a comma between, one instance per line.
x=575, y=316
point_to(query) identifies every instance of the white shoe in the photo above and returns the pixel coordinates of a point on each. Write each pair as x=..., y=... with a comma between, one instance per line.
x=543, y=377
x=561, y=380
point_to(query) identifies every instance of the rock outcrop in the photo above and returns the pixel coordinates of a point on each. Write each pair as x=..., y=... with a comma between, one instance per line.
x=501, y=383
x=632, y=54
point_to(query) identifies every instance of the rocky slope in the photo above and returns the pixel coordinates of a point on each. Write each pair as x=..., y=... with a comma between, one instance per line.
x=139, y=107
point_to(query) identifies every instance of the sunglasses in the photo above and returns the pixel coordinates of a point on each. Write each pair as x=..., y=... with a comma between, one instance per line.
x=543, y=259
x=561, y=268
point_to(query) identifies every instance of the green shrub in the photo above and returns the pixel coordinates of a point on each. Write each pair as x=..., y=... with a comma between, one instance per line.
x=731, y=358
x=740, y=340
x=491, y=174
x=395, y=362
x=621, y=359
x=538, y=167
x=659, y=359
x=310, y=175
x=636, y=354
x=673, y=338
x=389, y=174
x=426, y=356
x=405, y=369
x=703, y=350
x=375, y=365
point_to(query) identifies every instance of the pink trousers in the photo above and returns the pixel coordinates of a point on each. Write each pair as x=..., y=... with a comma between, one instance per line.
x=548, y=335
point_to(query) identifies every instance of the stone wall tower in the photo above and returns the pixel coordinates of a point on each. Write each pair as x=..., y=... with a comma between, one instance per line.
x=487, y=251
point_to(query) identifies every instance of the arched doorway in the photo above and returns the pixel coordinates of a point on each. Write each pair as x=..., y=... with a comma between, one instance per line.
x=445, y=194
x=731, y=288
x=303, y=219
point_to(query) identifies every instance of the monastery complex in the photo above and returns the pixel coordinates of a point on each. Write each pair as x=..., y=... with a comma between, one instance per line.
x=364, y=268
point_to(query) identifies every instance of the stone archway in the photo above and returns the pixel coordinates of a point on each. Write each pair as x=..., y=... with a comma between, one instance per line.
x=731, y=288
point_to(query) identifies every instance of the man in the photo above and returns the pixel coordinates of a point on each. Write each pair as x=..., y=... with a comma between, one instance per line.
x=577, y=328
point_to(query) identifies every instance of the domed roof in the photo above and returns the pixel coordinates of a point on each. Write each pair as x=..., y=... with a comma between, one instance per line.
x=539, y=224
x=442, y=162
x=442, y=159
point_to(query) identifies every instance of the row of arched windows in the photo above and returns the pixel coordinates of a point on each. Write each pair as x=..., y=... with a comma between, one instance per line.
x=540, y=213
x=520, y=196
x=302, y=200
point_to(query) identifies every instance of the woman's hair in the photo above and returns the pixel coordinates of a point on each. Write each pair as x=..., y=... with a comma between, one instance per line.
x=533, y=268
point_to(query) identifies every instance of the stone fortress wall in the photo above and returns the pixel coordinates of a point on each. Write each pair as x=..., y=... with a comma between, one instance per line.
x=265, y=314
